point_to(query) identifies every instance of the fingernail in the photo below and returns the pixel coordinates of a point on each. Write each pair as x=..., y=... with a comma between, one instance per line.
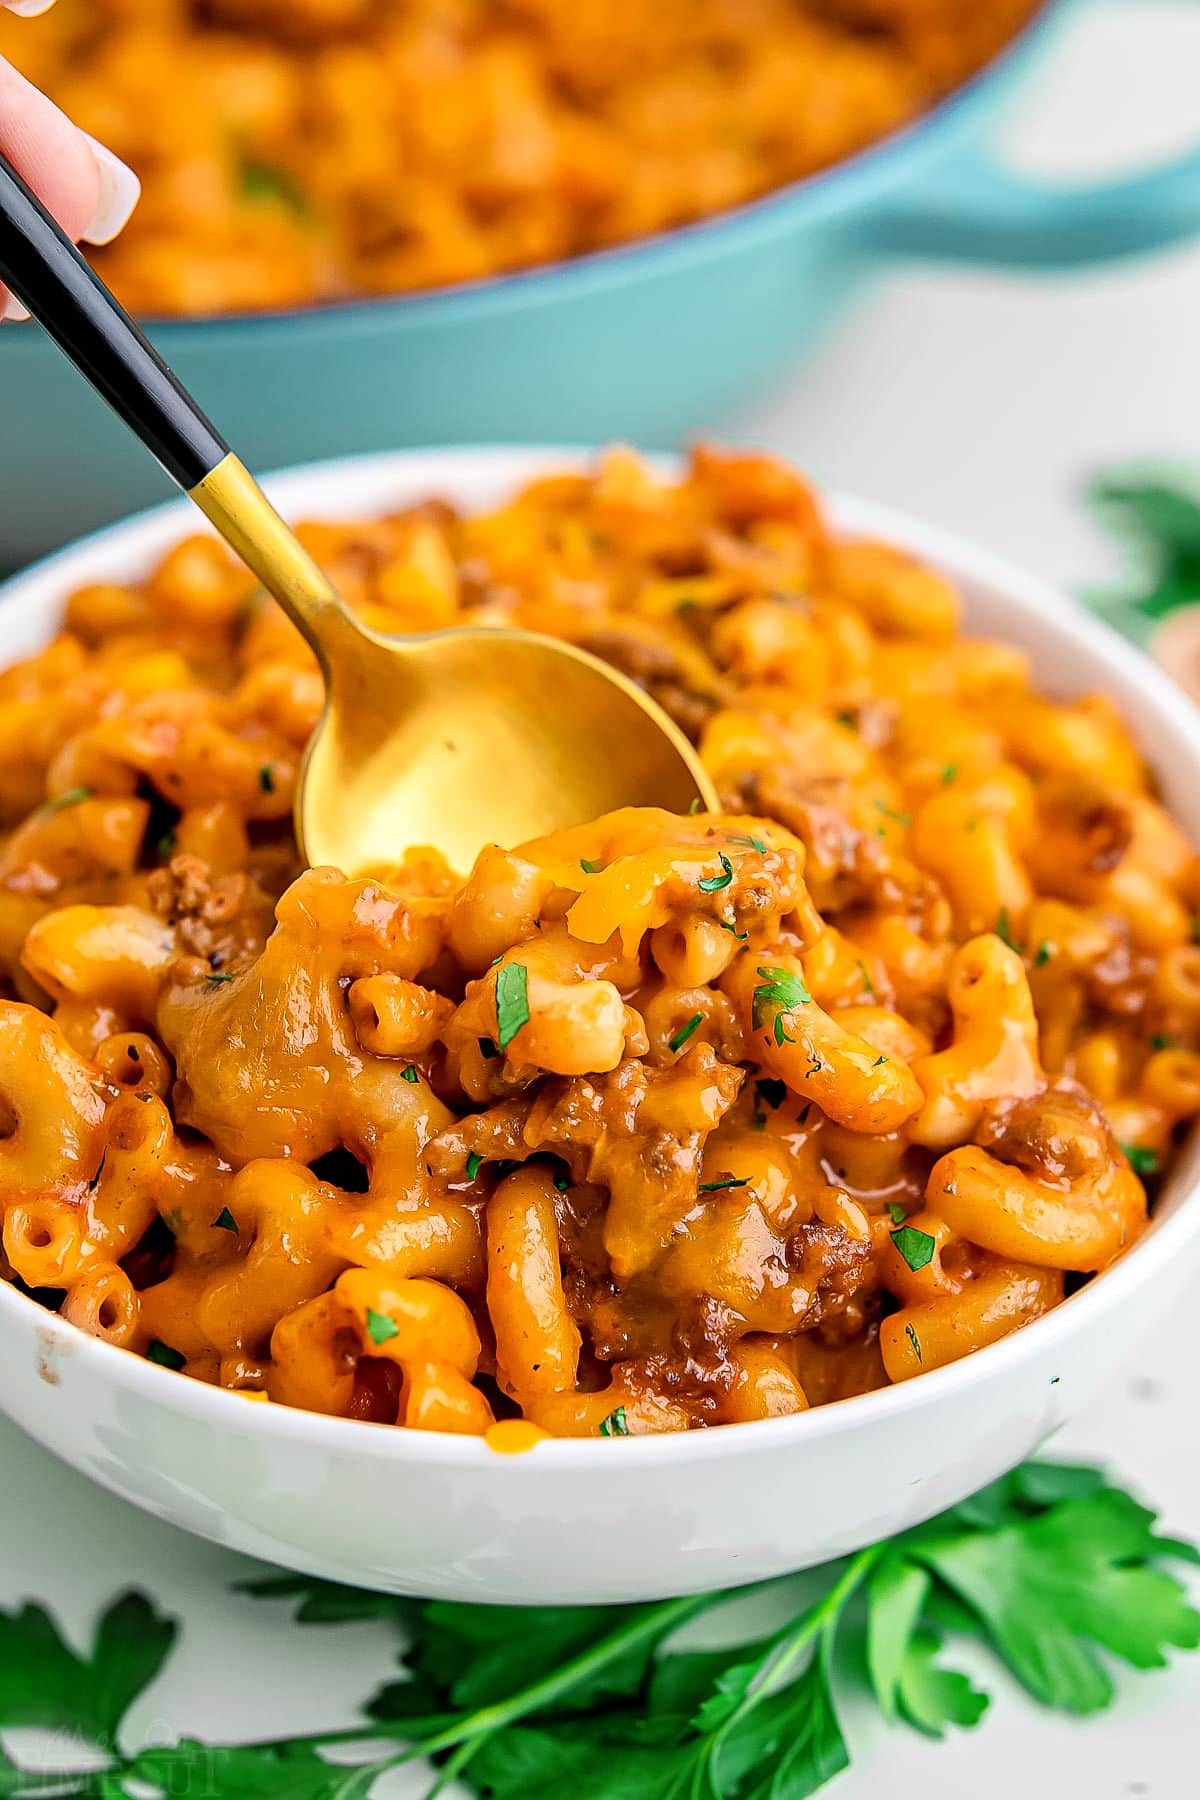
x=120, y=191
x=12, y=309
x=28, y=9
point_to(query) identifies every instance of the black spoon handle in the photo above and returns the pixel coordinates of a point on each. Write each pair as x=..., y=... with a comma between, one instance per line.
x=42, y=267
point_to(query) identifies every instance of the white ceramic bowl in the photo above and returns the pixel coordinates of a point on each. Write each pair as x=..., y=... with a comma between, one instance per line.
x=614, y=1519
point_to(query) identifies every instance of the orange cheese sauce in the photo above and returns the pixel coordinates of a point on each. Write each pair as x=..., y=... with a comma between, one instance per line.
x=656, y=1124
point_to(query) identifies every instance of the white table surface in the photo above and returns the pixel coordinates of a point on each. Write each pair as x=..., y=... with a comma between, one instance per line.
x=981, y=401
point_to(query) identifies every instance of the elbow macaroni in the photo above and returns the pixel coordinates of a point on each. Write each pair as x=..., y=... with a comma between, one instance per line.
x=653, y=1124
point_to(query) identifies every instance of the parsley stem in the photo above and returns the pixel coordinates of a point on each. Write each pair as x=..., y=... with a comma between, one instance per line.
x=649, y=1626
x=777, y=1665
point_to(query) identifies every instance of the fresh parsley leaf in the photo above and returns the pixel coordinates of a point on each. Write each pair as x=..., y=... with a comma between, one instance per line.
x=723, y=1181
x=897, y=1212
x=615, y=1425
x=71, y=797
x=949, y=774
x=685, y=1031
x=915, y=1341
x=590, y=868
x=1160, y=1040
x=712, y=884
x=216, y=976
x=916, y=1247
x=326, y=1602
x=1043, y=953
x=225, y=1221
x=44, y=1683
x=733, y=931
x=512, y=1002
x=782, y=991
x=1048, y=1589
x=266, y=779
x=410, y=1075
x=751, y=843
x=252, y=1772
x=474, y=1164
x=1002, y=928
x=931, y=1697
x=1141, y=1160
x=380, y=1329
x=164, y=1355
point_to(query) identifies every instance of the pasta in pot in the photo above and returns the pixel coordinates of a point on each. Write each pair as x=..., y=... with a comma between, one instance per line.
x=652, y=1124
x=297, y=151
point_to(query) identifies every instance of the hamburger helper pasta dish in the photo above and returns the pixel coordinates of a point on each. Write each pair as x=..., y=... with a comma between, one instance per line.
x=656, y=1123
x=308, y=150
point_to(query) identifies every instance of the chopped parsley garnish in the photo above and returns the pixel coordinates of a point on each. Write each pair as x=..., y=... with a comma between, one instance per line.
x=487, y=1049
x=562, y=1183
x=897, y=1212
x=915, y=1341
x=685, y=1032
x=164, y=1355
x=695, y=806
x=225, y=1221
x=1043, y=953
x=165, y=846
x=512, y=1002
x=266, y=779
x=848, y=720
x=72, y=797
x=916, y=1247
x=216, y=975
x=949, y=774
x=713, y=883
x=1141, y=1160
x=380, y=1328
x=410, y=1075
x=474, y=1164
x=892, y=812
x=783, y=991
x=751, y=843
x=591, y=868
x=724, y=1181
x=1002, y=928
x=1161, y=1041
x=868, y=984
x=879, y=1062
x=616, y=1424
x=733, y=931
x=265, y=181
x=770, y=1092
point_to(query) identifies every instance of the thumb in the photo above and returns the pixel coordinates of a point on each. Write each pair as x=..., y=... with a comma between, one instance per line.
x=90, y=191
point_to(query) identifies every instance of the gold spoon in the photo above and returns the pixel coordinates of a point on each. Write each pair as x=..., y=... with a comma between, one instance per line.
x=451, y=738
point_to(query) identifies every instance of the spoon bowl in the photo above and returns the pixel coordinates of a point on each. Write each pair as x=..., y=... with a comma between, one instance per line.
x=474, y=736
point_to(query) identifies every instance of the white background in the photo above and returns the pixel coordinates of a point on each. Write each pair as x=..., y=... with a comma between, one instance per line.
x=983, y=402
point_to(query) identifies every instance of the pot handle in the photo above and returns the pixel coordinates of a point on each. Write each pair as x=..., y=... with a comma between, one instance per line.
x=975, y=210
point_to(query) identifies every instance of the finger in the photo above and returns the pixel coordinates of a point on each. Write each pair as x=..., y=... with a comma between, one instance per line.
x=90, y=191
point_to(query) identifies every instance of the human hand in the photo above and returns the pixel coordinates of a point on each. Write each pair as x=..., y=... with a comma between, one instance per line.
x=89, y=190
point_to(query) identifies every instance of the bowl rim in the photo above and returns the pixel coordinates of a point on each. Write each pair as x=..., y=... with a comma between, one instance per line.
x=832, y=184
x=1028, y=596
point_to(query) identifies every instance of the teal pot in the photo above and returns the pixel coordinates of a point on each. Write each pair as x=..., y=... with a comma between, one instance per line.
x=649, y=342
